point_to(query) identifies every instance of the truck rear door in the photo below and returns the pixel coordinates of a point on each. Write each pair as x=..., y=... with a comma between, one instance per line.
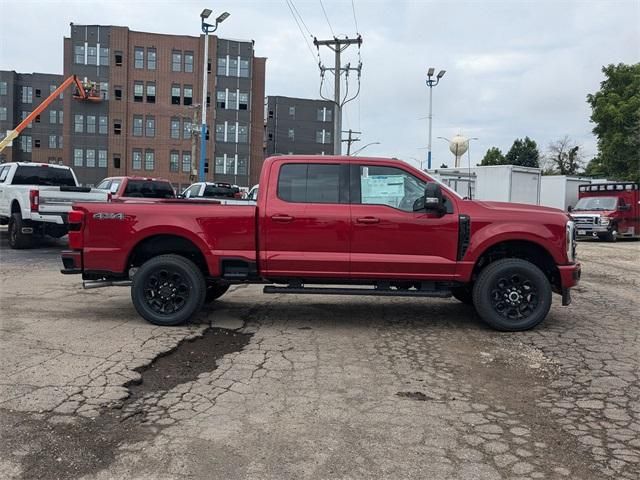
x=306, y=224
x=389, y=240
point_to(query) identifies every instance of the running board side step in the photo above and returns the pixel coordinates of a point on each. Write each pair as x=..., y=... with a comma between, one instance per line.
x=378, y=292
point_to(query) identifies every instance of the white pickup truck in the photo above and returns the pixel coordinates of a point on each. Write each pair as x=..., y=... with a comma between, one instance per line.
x=36, y=197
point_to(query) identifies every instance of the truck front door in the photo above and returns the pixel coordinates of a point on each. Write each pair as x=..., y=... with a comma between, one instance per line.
x=305, y=228
x=389, y=240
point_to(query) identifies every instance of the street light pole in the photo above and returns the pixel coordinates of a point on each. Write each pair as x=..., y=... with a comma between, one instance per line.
x=206, y=29
x=362, y=148
x=431, y=82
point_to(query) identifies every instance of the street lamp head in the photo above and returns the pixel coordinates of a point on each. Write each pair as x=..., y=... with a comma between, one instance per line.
x=222, y=17
x=206, y=13
x=441, y=74
x=430, y=72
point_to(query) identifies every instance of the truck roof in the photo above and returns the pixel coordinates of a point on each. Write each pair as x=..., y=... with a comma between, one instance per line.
x=35, y=164
x=341, y=158
x=133, y=177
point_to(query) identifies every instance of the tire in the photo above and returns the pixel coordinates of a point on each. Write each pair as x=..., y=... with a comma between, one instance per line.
x=214, y=292
x=463, y=294
x=168, y=290
x=17, y=239
x=512, y=295
x=610, y=236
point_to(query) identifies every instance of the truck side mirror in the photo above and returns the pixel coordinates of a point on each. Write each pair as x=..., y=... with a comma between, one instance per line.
x=432, y=200
x=624, y=208
x=569, y=209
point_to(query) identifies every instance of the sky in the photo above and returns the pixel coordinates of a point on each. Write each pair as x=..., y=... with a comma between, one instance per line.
x=514, y=68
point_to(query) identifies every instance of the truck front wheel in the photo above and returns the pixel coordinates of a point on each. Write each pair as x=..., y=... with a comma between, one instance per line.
x=168, y=290
x=18, y=239
x=512, y=295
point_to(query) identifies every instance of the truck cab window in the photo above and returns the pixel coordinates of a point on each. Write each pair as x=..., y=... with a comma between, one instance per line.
x=310, y=183
x=4, y=171
x=389, y=186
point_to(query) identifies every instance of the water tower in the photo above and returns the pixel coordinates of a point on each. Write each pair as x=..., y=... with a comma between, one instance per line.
x=458, y=146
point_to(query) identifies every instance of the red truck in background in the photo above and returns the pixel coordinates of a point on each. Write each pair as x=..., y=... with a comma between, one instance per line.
x=125, y=188
x=331, y=225
x=608, y=211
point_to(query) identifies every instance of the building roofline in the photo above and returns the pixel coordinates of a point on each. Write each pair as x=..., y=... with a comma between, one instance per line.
x=300, y=98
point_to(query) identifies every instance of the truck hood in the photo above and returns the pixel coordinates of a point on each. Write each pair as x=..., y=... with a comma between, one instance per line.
x=518, y=207
x=577, y=213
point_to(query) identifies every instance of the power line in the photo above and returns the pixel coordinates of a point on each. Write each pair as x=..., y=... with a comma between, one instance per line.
x=325, y=16
x=353, y=8
x=301, y=19
x=306, y=41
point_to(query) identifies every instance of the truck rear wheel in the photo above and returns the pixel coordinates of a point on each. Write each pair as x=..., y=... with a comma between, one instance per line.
x=168, y=290
x=17, y=239
x=512, y=295
x=214, y=292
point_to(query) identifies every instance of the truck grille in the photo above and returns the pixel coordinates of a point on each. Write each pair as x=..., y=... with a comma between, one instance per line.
x=585, y=220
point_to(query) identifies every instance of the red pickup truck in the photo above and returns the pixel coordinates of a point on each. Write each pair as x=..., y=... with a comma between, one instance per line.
x=331, y=225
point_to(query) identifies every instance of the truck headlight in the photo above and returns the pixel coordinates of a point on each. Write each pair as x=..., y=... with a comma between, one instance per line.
x=604, y=221
x=571, y=241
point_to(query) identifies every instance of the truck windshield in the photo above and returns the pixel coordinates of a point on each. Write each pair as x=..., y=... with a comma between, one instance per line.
x=596, y=203
x=41, y=175
x=148, y=189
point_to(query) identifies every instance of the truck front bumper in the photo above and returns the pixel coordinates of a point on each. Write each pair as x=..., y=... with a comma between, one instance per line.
x=71, y=261
x=569, y=277
x=584, y=231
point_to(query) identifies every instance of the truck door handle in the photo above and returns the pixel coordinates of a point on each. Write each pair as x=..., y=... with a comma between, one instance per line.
x=368, y=220
x=282, y=218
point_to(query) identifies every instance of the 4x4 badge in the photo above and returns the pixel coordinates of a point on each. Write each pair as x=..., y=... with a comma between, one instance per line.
x=108, y=216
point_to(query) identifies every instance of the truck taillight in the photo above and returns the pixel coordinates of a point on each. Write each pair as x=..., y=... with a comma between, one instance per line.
x=34, y=200
x=76, y=221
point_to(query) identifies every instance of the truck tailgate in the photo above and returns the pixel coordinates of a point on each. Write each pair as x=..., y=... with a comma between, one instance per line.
x=55, y=200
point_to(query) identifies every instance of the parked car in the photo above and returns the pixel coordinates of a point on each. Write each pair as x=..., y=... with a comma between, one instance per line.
x=608, y=210
x=211, y=190
x=122, y=188
x=35, y=199
x=356, y=226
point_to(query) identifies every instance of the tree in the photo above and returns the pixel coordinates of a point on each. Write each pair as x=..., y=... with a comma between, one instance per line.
x=615, y=110
x=524, y=153
x=564, y=156
x=444, y=165
x=493, y=156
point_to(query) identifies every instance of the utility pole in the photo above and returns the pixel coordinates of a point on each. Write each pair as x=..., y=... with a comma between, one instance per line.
x=351, y=140
x=193, y=173
x=338, y=45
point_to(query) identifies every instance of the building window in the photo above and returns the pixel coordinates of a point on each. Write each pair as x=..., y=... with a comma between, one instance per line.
x=324, y=114
x=218, y=166
x=37, y=119
x=175, y=94
x=38, y=93
x=91, y=124
x=230, y=165
x=53, y=116
x=292, y=134
x=3, y=113
x=151, y=58
x=175, y=128
x=137, y=125
x=186, y=162
x=25, y=143
x=117, y=127
x=174, y=161
x=52, y=88
x=3, y=88
x=102, y=158
x=243, y=101
x=243, y=134
x=92, y=55
x=221, y=99
x=232, y=130
x=150, y=127
x=220, y=136
x=118, y=92
x=176, y=61
x=232, y=102
x=78, y=157
x=188, y=62
x=60, y=116
x=103, y=122
x=104, y=56
x=78, y=54
x=151, y=92
x=138, y=57
x=292, y=112
x=241, y=166
x=323, y=136
x=91, y=158
x=104, y=90
x=186, y=128
x=222, y=66
x=244, y=68
x=232, y=67
x=118, y=58
x=149, y=160
x=116, y=161
x=53, y=141
x=78, y=122
x=208, y=99
x=188, y=95
x=136, y=160
x=27, y=94
x=60, y=141
x=25, y=115
x=138, y=91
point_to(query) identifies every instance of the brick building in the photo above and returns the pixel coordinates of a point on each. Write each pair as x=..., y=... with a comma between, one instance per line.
x=150, y=85
x=20, y=93
x=298, y=126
